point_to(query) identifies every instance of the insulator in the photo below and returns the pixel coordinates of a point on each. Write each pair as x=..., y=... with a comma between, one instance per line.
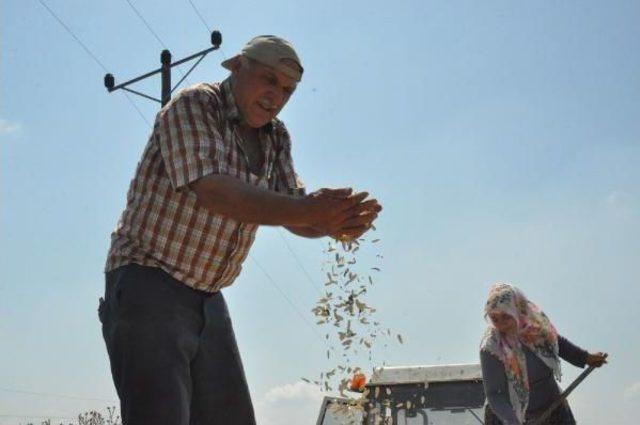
x=216, y=38
x=109, y=81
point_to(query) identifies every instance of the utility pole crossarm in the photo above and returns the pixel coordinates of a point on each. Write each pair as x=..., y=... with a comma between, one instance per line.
x=165, y=71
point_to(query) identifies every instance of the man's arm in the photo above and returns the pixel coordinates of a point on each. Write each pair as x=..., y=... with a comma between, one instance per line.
x=244, y=202
x=306, y=232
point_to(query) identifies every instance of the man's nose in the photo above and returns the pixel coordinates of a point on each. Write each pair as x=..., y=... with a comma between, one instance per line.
x=277, y=96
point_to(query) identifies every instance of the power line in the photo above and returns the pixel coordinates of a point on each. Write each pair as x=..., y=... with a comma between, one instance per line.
x=284, y=295
x=146, y=23
x=297, y=259
x=90, y=53
x=71, y=397
x=195, y=9
x=204, y=22
x=137, y=109
x=86, y=49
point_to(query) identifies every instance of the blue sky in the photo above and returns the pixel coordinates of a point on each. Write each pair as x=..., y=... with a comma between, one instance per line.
x=502, y=138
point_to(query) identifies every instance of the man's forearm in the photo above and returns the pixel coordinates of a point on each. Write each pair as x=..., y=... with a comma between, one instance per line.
x=306, y=232
x=244, y=202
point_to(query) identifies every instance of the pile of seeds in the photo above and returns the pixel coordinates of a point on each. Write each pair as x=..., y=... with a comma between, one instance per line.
x=349, y=324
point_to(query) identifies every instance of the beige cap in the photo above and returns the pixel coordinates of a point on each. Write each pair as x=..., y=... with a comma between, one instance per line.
x=272, y=51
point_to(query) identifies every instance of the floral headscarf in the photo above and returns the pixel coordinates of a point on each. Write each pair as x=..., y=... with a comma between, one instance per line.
x=535, y=331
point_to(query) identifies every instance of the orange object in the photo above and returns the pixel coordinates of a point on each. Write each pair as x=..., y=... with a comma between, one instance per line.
x=358, y=382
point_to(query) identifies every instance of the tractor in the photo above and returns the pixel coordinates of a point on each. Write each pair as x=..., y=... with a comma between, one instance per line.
x=412, y=395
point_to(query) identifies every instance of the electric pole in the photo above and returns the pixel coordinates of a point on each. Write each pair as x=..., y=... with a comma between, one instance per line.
x=165, y=72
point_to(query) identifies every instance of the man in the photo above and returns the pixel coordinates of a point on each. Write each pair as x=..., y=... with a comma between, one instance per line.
x=217, y=165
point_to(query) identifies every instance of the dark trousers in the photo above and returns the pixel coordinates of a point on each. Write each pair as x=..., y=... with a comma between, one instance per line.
x=173, y=353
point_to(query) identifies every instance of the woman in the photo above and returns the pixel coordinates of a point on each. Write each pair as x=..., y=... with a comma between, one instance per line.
x=520, y=356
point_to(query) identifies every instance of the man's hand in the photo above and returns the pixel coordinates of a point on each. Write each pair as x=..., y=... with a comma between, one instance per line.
x=360, y=222
x=354, y=220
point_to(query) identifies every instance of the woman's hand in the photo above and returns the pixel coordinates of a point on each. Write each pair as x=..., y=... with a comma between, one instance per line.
x=597, y=359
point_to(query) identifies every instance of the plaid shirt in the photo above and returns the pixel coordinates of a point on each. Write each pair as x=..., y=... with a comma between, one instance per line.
x=161, y=226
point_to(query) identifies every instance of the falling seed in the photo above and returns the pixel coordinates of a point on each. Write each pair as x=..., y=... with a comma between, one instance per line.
x=345, y=308
x=400, y=339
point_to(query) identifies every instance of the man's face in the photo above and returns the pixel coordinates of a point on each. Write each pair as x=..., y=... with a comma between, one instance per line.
x=260, y=91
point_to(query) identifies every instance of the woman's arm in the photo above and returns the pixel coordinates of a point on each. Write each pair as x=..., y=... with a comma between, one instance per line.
x=571, y=352
x=496, y=389
x=577, y=356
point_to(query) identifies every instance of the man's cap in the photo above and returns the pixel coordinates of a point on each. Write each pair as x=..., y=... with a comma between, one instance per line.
x=272, y=51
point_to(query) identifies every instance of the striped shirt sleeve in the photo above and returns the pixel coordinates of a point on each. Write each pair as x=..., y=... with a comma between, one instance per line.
x=189, y=138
